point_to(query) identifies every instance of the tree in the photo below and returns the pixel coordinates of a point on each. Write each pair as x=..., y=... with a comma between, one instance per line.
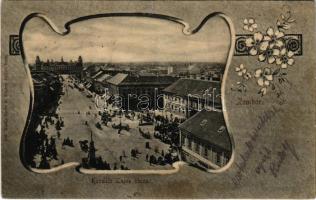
x=98, y=125
x=147, y=157
x=152, y=159
x=156, y=149
x=58, y=125
x=161, y=161
x=44, y=164
x=133, y=153
x=80, y=60
x=37, y=60
x=168, y=158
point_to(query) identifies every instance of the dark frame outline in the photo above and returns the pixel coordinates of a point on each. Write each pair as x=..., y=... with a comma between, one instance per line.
x=136, y=14
x=298, y=53
x=11, y=53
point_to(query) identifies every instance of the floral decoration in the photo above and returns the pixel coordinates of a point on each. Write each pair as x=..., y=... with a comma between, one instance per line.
x=250, y=25
x=272, y=50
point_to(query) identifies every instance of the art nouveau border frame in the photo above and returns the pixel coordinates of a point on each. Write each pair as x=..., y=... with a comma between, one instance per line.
x=186, y=30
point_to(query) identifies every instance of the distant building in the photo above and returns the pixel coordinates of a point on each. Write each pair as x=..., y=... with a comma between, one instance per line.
x=59, y=67
x=185, y=97
x=90, y=70
x=204, y=139
x=100, y=82
x=133, y=89
x=47, y=90
x=89, y=74
x=209, y=76
x=170, y=70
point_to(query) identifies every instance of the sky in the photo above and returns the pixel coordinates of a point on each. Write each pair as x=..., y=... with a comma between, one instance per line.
x=128, y=39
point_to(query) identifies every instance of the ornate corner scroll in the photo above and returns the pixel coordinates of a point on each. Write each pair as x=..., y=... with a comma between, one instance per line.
x=14, y=45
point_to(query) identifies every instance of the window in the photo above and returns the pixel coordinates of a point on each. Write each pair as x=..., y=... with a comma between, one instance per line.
x=186, y=142
x=193, y=145
x=201, y=149
x=205, y=151
x=221, y=129
x=189, y=144
x=196, y=147
x=224, y=160
x=218, y=158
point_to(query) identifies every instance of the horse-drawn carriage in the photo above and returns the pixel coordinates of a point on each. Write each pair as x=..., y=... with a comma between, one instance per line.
x=121, y=126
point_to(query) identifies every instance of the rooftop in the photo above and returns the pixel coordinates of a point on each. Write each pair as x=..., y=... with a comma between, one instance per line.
x=117, y=79
x=197, y=88
x=103, y=77
x=97, y=74
x=210, y=127
x=125, y=79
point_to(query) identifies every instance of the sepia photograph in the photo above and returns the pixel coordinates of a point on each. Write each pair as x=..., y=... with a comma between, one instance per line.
x=119, y=94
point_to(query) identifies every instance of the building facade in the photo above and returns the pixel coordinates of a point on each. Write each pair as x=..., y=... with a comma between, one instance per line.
x=99, y=82
x=185, y=97
x=204, y=139
x=139, y=92
x=59, y=67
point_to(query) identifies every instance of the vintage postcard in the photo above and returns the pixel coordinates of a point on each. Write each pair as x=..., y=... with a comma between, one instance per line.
x=158, y=99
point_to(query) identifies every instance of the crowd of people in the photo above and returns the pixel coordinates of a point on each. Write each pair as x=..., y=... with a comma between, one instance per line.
x=44, y=142
x=165, y=129
x=45, y=145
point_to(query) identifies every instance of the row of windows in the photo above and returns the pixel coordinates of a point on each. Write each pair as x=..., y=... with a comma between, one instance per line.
x=140, y=91
x=194, y=103
x=216, y=157
x=53, y=68
x=175, y=107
